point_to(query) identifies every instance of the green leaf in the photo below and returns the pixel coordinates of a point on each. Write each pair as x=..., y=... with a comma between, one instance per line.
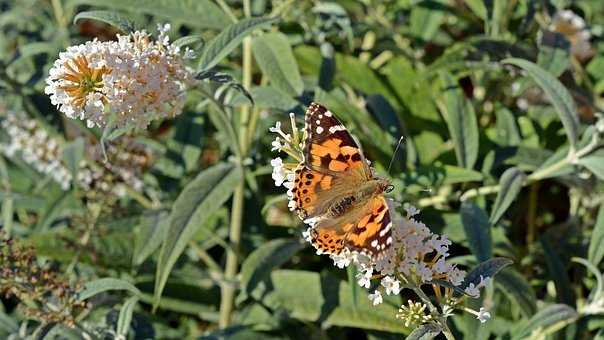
x=425, y=332
x=95, y=287
x=125, y=317
x=554, y=52
x=598, y=290
x=308, y=296
x=188, y=40
x=507, y=129
x=229, y=38
x=547, y=321
x=259, y=264
x=197, y=13
x=274, y=55
x=557, y=94
x=73, y=153
x=557, y=273
x=478, y=230
x=425, y=19
x=351, y=271
x=485, y=269
x=198, y=200
x=455, y=174
x=461, y=121
x=151, y=232
x=510, y=185
x=595, y=252
x=224, y=124
x=515, y=286
x=595, y=163
x=112, y=18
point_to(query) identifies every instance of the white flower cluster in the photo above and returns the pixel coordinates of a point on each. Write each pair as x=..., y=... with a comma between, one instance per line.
x=29, y=141
x=33, y=144
x=573, y=27
x=134, y=80
x=416, y=257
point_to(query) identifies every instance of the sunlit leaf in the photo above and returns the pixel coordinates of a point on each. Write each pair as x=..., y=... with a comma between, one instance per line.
x=557, y=94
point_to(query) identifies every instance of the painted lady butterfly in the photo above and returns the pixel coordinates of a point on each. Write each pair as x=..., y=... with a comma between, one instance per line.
x=336, y=192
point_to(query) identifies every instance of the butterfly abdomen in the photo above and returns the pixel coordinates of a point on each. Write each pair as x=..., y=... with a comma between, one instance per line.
x=341, y=206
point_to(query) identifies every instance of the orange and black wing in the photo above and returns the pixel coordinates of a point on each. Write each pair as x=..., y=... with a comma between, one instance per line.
x=368, y=232
x=332, y=159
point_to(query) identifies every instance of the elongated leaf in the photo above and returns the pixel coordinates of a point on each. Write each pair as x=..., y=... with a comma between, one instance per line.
x=425, y=332
x=518, y=290
x=312, y=297
x=507, y=128
x=461, y=121
x=595, y=252
x=274, y=55
x=554, y=52
x=426, y=17
x=225, y=42
x=595, y=164
x=259, y=264
x=557, y=94
x=198, y=200
x=486, y=269
x=125, y=317
x=112, y=18
x=197, y=13
x=598, y=290
x=354, y=288
x=510, y=183
x=188, y=40
x=73, y=154
x=547, y=321
x=557, y=273
x=152, y=231
x=95, y=287
x=478, y=230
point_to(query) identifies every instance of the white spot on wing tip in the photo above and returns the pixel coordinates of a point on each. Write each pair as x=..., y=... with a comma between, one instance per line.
x=328, y=113
x=374, y=243
x=319, y=130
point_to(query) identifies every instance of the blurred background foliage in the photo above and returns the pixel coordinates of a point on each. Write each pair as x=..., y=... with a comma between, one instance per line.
x=499, y=106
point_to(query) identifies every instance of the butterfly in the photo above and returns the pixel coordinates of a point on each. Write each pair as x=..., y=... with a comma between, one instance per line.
x=336, y=192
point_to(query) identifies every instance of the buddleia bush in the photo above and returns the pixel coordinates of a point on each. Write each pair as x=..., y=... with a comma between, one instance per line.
x=151, y=150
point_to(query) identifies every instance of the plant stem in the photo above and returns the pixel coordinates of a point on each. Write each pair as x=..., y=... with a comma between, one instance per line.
x=231, y=266
x=227, y=288
x=441, y=320
x=57, y=9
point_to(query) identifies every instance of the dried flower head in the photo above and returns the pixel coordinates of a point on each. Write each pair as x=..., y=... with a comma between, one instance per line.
x=50, y=296
x=134, y=80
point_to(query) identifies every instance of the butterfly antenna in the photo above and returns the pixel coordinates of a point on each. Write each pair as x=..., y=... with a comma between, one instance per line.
x=398, y=145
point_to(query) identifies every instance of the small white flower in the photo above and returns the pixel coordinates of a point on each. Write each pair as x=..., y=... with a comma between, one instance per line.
x=472, y=290
x=278, y=174
x=483, y=315
x=276, y=144
x=364, y=278
x=392, y=285
x=376, y=298
x=411, y=211
x=276, y=128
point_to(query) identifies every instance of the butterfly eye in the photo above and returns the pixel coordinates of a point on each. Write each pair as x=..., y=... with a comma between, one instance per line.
x=389, y=188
